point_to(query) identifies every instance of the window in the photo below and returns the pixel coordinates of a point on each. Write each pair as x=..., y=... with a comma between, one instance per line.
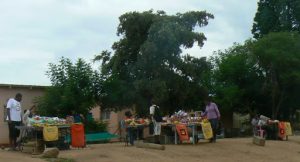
x=105, y=115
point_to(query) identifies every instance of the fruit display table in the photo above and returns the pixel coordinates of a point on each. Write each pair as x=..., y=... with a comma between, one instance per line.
x=31, y=138
x=193, y=126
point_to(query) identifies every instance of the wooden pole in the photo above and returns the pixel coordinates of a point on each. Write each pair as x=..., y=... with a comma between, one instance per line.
x=141, y=144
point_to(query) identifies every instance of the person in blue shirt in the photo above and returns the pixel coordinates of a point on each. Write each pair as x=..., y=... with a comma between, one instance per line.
x=78, y=118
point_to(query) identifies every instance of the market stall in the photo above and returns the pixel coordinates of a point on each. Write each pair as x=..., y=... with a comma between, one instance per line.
x=181, y=121
x=42, y=131
x=272, y=129
x=134, y=127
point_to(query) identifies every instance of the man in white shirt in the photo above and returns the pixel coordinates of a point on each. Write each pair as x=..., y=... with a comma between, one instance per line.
x=14, y=118
x=156, y=118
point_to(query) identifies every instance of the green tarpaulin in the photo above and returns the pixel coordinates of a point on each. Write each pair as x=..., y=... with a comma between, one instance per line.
x=97, y=137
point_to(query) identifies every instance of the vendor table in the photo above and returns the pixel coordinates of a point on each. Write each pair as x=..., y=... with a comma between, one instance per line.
x=36, y=133
x=193, y=126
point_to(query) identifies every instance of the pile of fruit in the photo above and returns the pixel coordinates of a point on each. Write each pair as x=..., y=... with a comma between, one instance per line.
x=184, y=118
x=39, y=121
x=135, y=122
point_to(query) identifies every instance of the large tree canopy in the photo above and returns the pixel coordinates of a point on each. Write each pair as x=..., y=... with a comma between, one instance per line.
x=276, y=16
x=260, y=76
x=237, y=79
x=278, y=55
x=147, y=61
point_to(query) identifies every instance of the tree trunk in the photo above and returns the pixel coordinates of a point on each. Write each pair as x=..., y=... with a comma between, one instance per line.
x=277, y=107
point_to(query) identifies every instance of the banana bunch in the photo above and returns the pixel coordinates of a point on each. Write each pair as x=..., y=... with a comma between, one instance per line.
x=128, y=121
x=132, y=123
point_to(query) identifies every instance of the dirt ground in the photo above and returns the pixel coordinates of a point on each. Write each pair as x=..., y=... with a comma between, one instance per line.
x=225, y=150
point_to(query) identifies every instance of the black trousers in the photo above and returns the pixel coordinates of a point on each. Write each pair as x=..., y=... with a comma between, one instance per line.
x=13, y=131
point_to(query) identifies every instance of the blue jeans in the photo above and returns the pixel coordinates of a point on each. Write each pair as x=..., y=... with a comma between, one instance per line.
x=130, y=133
x=214, y=125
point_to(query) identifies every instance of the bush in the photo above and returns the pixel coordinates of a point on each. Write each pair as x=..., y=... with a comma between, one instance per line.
x=95, y=126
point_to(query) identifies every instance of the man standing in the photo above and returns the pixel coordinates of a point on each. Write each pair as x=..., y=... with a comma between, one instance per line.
x=156, y=117
x=14, y=118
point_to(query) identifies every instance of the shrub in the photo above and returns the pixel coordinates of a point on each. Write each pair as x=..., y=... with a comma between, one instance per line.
x=95, y=126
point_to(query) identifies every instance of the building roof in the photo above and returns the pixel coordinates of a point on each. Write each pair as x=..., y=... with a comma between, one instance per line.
x=22, y=86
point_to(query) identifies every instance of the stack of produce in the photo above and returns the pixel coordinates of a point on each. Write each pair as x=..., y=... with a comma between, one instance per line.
x=135, y=122
x=179, y=117
x=40, y=121
x=184, y=118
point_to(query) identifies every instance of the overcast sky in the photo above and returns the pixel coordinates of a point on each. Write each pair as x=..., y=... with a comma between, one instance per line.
x=34, y=33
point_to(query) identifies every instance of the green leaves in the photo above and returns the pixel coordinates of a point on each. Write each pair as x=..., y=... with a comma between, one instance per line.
x=279, y=56
x=147, y=61
x=75, y=87
x=237, y=79
x=276, y=16
x=279, y=52
x=260, y=75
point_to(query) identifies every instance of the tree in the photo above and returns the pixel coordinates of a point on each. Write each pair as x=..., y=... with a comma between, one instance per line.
x=237, y=79
x=147, y=61
x=278, y=55
x=75, y=87
x=276, y=16
x=260, y=76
